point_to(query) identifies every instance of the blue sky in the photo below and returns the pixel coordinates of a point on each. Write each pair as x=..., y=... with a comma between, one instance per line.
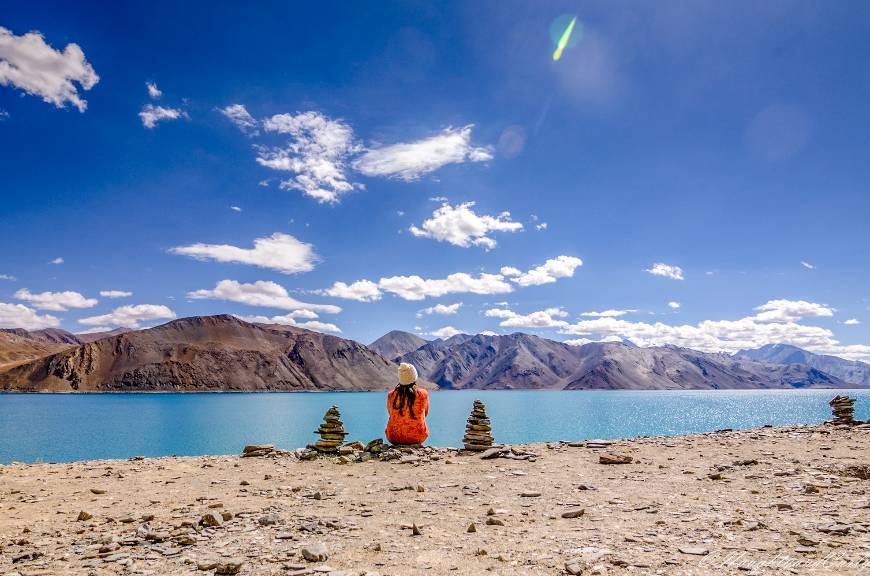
x=725, y=143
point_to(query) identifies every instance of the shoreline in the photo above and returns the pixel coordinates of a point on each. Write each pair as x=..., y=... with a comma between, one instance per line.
x=723, y=502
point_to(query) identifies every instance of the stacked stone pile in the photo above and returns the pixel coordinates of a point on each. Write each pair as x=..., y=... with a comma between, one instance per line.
x=478, y=431
x=843, y=409
x=331, y=432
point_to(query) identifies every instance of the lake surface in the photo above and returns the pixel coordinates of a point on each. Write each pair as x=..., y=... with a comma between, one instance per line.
x=66, y=427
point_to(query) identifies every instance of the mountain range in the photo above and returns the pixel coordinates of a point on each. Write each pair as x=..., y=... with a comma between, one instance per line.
x=849, y=370
x=206, y=353
x=224, y=353
x=522, y=361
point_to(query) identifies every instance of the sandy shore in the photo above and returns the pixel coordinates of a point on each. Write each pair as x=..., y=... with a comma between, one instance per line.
x=745, y=502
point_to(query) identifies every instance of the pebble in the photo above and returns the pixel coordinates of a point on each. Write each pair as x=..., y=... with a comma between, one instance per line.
x=228, y=566
x=211, y=520
x=574, y=513
x=694, y=550
x=316, y=552
x=268, y=520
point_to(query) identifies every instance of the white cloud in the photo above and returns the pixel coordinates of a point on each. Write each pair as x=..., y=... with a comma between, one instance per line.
x=56, y=301
x=791, y=311
x=115, y=294
x=235, y=209
x=290, y=320
x=261, y=293
x=4, y=115
x=541, y=319
x=317, y=154
x=578, y=341
x=730, y=335
x=239, y=115
x=151, y=115
x=95, y=330
x=57, y=261
x=153, y=91
x=673, y=304
x=807, y=265
x=410, y=160
x=440, y=309
x=852, y=322
x=607, y=313
x=446, y=332
x=550, y=271
x=281, y=252
x=21, y=316
x=130, y=316
x=541, y=226
x=8, y=277
x=417, y=288
x=361, y=291
x=28, y=63
x=461, y=226
x=666, y=270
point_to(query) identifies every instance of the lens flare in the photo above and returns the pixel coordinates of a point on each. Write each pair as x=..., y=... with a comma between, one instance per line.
x=564, y=38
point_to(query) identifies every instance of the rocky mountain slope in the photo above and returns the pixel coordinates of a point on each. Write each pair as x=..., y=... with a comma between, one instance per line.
x=521, y=361
x=47, y=335
x=396, y=343
x=207, y=354
x=17, y=347
x=849, y=370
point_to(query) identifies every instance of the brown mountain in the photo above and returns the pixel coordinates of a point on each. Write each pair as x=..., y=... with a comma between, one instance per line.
x=396, y=343
x=521, y=361
x=94, y=336
x=17, y=347
x=47, y=335
x=207, y=354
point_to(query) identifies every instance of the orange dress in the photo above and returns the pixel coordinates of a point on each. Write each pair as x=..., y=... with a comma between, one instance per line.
x=401, y=428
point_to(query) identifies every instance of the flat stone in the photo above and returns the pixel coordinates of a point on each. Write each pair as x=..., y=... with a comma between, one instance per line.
x=614, y=459
x=574, y=513
x=694, y=550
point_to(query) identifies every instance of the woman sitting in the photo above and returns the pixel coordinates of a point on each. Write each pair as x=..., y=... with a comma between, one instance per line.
x=408, y=407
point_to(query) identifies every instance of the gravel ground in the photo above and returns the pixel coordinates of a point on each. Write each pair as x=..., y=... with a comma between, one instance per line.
x=765, y=501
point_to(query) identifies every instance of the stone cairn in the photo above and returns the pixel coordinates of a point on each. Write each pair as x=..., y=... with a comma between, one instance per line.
x=331, y=432
x=843, y=409
x=478, y=431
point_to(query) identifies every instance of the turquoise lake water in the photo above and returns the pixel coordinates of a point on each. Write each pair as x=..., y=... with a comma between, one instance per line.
x=65, y=427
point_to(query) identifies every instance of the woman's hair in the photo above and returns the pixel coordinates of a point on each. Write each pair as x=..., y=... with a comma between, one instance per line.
x=405, y=396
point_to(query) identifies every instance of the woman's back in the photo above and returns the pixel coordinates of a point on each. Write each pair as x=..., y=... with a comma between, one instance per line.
x=408, y=426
